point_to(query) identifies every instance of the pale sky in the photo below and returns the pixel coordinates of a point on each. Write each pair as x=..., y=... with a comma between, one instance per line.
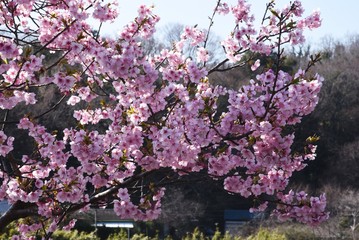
x=340, y=18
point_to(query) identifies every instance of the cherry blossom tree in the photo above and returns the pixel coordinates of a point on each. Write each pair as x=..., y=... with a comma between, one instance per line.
x=144, y=122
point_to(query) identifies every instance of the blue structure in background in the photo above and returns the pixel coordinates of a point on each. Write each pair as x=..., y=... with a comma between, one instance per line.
x=238, y=215
x=235, y=219
x=4, y=206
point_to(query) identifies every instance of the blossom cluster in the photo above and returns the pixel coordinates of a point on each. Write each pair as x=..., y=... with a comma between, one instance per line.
x=140, y=115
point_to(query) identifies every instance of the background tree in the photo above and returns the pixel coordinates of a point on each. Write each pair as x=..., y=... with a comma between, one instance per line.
x=167, y=36
x=335, y=119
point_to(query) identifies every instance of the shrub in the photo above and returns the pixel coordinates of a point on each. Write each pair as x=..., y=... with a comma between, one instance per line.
x=74, y=235
x=267, y=234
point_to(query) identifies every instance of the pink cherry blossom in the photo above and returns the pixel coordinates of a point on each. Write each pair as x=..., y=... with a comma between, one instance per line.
x=255, y=65
x=6, y=144
x=202, y=55
x=137, y=114
x=223, y=8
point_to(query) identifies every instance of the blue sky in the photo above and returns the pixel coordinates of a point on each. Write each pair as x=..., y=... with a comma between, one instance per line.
x=340, y=19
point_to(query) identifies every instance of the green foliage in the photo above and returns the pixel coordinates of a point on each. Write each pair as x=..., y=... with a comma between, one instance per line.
x=218, y=236
x=295, y=233
x=122, y=234
x=141, y=236
x=262, y=234
x=74, y=235
x=196, y=235
x=9, y=231
x=281, y=233
x=267, y=234
x=291, y=231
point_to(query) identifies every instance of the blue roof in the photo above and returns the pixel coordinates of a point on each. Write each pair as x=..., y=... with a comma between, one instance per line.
x=238, y=215
x=4, y=206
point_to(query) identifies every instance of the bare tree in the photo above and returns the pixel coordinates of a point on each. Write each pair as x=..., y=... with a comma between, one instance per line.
x=166, y=37
x=181, y=209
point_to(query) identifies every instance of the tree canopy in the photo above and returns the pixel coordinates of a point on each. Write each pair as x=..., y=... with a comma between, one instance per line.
x=139, y=122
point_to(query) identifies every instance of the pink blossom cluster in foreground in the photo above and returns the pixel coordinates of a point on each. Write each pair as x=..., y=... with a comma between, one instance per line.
x=140, y=115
